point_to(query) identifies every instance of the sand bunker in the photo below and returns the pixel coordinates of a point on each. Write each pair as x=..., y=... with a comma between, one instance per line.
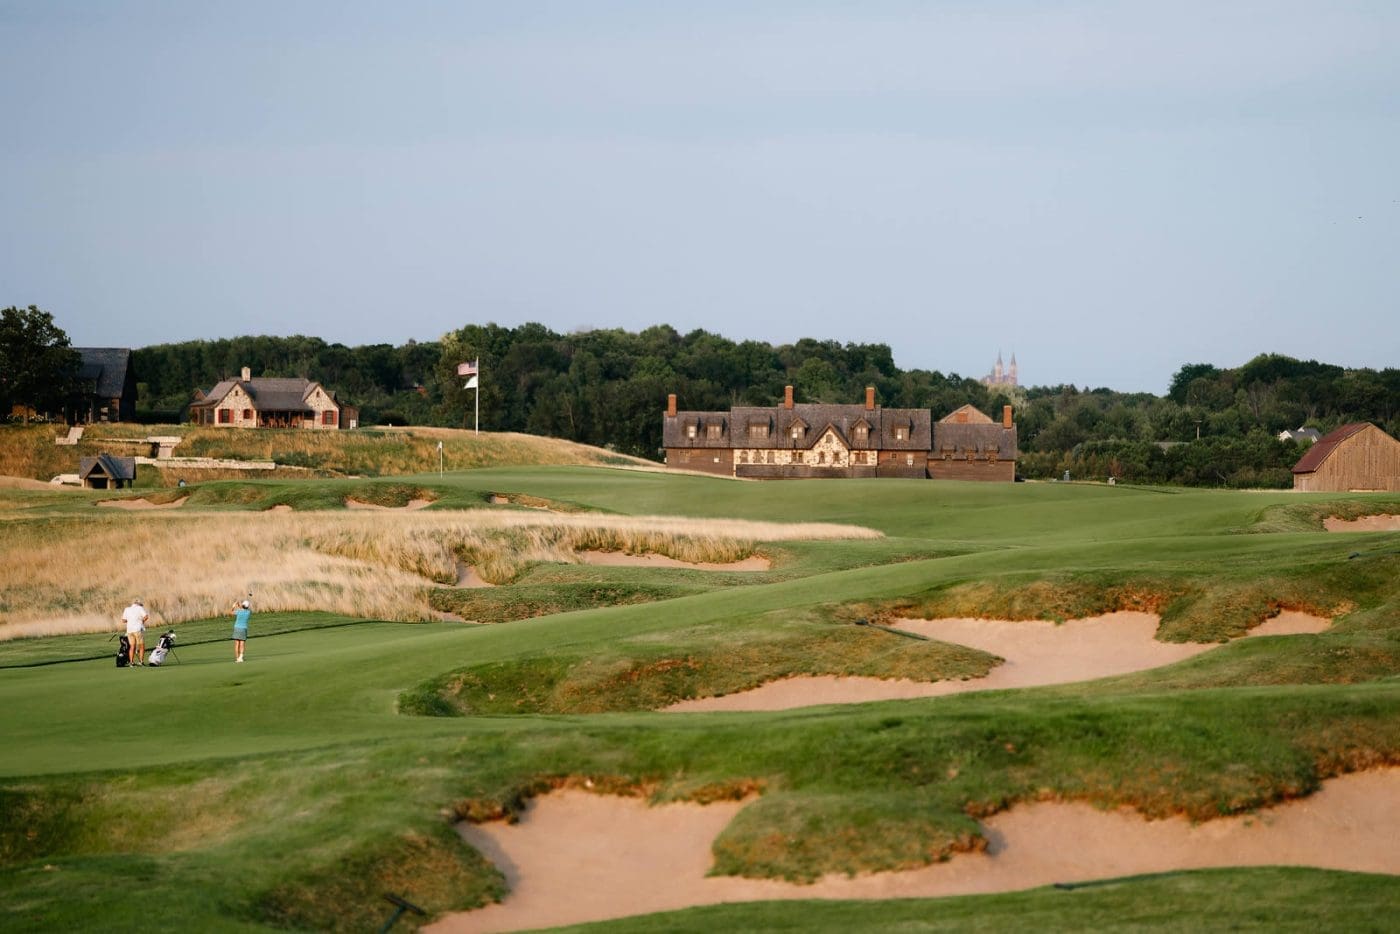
x=620, y=559
x=142, y=503
x=577, y=857
x=1363, y=524
x=467, y=576
x=1036, y=653
x=351, y=503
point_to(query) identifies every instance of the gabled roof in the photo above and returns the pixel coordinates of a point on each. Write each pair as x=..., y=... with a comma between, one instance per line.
x=966, y=415
x=831, y=427
x=1328, y=443
x=114, y=468
x=106, y=367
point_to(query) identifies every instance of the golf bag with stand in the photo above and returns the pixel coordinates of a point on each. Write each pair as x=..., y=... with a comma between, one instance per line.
x=163, y=648
x=123, y=652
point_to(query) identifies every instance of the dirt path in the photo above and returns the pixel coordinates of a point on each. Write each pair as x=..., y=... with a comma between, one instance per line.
x=1036, y=653
x=577, y=857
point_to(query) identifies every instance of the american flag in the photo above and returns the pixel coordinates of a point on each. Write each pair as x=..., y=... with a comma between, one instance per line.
x=467, y=369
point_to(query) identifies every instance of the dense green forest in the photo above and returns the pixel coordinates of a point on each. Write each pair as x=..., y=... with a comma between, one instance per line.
x=1214, y=427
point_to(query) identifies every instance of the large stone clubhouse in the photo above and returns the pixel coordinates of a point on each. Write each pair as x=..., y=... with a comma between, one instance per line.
x=808, y=440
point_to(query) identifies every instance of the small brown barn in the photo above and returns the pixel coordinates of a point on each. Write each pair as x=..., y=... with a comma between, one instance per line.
x=105, y=472
x=1354, y=457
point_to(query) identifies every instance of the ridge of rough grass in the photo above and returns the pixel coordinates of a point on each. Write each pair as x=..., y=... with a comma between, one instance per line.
x=528, y=601
x=1309, y=517
x=441, y=873
x=1273, y=898
x=1195, y=605
x=644, y=674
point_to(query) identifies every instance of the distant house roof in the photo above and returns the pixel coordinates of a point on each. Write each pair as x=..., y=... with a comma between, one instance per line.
x=1328, y=443
x=114, y=468
x=1301, y=434
x=106, y=367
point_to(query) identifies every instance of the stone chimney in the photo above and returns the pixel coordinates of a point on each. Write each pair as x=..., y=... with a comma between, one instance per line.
x=247, y=374
x=671, y=405
x=787, y=397
x=869, y=398
x=1006, y=416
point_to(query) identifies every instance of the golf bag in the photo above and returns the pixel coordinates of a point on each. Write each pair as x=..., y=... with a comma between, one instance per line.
x=124, y=652
x=163, y=647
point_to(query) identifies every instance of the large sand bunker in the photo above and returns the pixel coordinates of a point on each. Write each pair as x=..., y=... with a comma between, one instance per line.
x=620, y=559
x=1036, y=653
x=351, y=503
x=1364, y=524
x=142, y=503
x=577, y=857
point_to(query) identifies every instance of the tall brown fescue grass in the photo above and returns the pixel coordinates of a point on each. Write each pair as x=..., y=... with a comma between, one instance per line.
x=29, y=451
x=70, y=575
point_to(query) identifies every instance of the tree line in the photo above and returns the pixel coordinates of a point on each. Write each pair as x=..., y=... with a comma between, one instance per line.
x=1214, y=427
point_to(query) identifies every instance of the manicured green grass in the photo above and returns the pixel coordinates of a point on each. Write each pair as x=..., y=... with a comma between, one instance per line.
x=292, y=790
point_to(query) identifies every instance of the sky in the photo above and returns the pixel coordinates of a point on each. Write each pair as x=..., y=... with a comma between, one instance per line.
x=1109, y=190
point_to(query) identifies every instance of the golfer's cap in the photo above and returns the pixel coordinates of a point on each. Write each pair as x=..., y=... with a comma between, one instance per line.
x=245, y=604
x=138, y=602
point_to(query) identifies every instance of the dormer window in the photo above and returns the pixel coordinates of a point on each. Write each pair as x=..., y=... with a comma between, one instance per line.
x=758, y=431
x=862, y=434
x=901, y=433
x=712, y=432
x=690, y=430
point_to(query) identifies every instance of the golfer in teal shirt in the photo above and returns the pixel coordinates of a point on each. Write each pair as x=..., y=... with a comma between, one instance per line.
x=241, y=614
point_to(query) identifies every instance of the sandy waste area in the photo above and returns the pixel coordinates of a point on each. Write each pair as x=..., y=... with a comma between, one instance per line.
x=619, y=559
x=1036, y=653
x=1363, y=524
x=577, y=857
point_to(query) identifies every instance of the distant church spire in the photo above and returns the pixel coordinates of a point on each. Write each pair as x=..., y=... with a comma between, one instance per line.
x=1002, y=375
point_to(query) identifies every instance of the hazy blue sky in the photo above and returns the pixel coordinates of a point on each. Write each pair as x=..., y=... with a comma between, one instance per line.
x=1108, y=189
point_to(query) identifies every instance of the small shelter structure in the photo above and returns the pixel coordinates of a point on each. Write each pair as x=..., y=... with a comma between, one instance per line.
x=1358, y=456
x=106, y=472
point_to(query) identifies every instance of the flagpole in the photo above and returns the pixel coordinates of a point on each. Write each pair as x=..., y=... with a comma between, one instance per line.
x=472, y=370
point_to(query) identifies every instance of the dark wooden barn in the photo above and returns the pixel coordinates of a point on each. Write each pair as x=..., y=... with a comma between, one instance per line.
x=1358, y=456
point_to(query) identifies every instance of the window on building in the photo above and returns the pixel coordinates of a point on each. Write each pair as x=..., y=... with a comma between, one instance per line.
x=685, y=457
x=247, y=415
x=328, y=417
x=758, y=432
x=225, y=416
x=713, y=431
x=900, y=433
x=909, y=460
x=862, y=434
x=799, y=457
x=690, y=430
